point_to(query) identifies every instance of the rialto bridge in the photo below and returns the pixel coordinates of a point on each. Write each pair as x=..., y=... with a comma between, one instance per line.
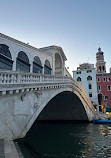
x=34, y=85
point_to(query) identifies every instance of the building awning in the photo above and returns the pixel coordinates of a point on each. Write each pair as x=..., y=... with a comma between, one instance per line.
x=108, y=109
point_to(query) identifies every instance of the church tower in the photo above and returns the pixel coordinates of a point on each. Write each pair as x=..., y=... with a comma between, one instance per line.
x=100, y=63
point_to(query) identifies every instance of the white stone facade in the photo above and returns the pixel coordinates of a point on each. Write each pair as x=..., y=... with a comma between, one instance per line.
x=89, y=86
x=52, y=54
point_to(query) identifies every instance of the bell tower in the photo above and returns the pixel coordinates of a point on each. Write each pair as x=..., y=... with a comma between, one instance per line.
x=100, y=63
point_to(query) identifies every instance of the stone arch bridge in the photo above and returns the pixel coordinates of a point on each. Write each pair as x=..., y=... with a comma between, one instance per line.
x=25, y=97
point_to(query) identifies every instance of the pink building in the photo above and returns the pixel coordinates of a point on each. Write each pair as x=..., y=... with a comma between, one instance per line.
x=103, y=82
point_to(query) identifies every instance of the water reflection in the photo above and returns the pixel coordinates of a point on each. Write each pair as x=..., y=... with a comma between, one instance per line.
x=67, y=141
x=105, y=130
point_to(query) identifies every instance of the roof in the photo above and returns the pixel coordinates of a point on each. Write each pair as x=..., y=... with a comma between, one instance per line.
x=99, y=52
x=53, y=47
x=103, y=74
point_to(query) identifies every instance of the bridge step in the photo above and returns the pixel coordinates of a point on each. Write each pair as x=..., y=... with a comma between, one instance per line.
x=2, y=154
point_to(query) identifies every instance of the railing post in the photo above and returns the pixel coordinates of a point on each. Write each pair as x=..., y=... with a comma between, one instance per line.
x=19, y=78
x=40, y=78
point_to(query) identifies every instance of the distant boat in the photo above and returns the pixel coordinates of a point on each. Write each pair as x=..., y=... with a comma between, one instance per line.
x=101, y=121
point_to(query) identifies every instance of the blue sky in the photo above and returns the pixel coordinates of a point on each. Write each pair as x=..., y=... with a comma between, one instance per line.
x=78, y=26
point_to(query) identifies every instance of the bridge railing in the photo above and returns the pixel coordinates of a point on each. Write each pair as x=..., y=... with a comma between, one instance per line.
x=10, y=77
x=18, y=78
x=82, y=93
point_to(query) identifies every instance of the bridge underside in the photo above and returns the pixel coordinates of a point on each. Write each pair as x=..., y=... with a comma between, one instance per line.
x=65, y=106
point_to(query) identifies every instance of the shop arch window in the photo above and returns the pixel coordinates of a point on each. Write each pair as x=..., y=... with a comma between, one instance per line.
x=6, y=61
x=37, y=65
x=22, y=62
x=47, y=67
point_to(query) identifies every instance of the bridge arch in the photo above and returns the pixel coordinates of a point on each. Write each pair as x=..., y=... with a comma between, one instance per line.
x=86, y=112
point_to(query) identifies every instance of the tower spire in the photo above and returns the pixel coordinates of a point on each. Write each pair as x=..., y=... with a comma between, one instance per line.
x=100, y=63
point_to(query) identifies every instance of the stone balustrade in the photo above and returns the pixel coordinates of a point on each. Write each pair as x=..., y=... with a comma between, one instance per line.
x=9, y=79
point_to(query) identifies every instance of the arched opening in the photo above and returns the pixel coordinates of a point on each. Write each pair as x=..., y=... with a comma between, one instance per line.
x=65, y=106
x=100, y=101
x=6, y=61
x=90, y=86
x=99, y=68
x=78, y=79
x=89, y=78
x=37, y=65
x=47, y=67
x=58, y=65
x=22, y=62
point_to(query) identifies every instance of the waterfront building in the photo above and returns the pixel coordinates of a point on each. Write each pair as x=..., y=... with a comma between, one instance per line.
x=103, y=82
x=86, y=76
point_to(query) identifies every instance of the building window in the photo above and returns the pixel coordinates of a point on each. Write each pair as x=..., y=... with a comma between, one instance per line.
x=47, y=67
x=99, y=68
x=104, y=79
x=106, y=97
x=98, y=79
x=90, y=94
x=99, y=88
x=90, y=86
x=89, y=71
x=109, y=88
x=78, y=79
x=89, y=78
x=106, y=104
x=78, y=72
x=108, y=79
x=37, y=66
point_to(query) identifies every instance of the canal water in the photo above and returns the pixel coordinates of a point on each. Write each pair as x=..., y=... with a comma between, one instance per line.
x=67, y=140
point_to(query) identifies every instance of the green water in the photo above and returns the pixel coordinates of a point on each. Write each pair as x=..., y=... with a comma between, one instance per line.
x=67, y=141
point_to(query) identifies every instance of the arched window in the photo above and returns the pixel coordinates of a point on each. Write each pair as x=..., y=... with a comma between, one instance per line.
x=90, y=86
x=103, y=68
x=47, y=67
x=78, y=79
x=5, y=57
x=58, y=65
x=99, y=68
x=37, y=66
x=22, y=63
x=89, y=78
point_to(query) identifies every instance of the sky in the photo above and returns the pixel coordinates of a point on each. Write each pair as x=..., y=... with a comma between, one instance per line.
x=78, y=26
